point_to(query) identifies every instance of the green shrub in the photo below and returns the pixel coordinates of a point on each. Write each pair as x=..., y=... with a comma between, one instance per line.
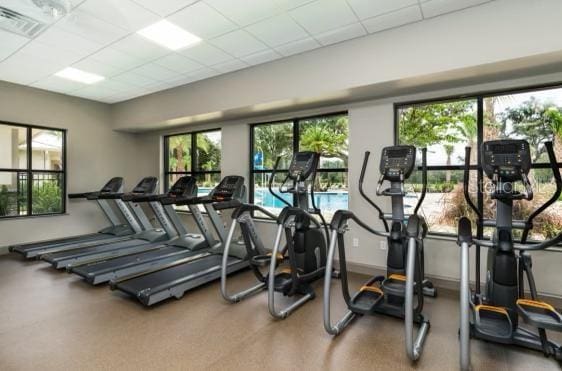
x=4, y=200
x=47, y=198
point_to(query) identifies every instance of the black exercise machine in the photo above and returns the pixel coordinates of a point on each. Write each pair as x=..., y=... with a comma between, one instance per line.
x=495, y=314
x=404, y=283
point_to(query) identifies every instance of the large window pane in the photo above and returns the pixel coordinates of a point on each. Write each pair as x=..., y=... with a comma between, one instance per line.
x=179, y=153
x=270, y=142
x=264, y=198
x=444, y=202
x=47, y=193
x=13, y=194
x=331, y=193
x=13, y=147
x=535, y=117
x=208, y=151
x=445, y=129
x=206, y=183
x=46, y=149
x=327, y=136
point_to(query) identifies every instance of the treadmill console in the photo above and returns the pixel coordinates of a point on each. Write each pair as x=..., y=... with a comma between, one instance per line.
x=507, y=159
x=397, y=161
x=303, y=165
x=184, y=187
x=115, y=185
x=147, y=185
x=230, y=187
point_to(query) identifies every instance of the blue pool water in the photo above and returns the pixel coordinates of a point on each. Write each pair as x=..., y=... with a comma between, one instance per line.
x=326, y=201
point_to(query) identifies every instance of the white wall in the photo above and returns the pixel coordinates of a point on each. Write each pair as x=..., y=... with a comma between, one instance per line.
x=95, y=153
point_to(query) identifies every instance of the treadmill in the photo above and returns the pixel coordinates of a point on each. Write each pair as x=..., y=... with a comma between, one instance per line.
x=185, y=244
x=116, y=228
x=174, y=279
x=137, y=242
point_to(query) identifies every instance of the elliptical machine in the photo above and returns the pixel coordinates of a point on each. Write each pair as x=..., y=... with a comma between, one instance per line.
x=494, y=315
x=303, y=257
x=404, y=283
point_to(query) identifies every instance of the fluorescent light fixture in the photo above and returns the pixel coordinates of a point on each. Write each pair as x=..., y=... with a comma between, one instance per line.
x=75, y=74
x=169, y=35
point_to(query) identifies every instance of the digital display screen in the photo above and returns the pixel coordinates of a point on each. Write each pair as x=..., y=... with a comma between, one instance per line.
x=232, y=181
x=504, y=148
x=397, y=153
x=303, y=157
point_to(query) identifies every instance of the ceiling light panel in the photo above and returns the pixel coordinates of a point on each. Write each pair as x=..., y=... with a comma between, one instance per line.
x=167, y=34
x=74, y=74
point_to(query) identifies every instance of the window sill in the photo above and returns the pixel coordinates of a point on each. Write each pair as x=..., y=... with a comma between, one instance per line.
x=18, y=217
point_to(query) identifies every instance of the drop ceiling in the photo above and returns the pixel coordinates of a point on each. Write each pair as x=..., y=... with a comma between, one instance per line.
x=100, y=37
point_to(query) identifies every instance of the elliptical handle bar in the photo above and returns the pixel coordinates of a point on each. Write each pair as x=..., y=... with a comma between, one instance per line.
x=364, y=195
x=466, y=181
x=424, y=180
x=270, y=183
x=553, y=199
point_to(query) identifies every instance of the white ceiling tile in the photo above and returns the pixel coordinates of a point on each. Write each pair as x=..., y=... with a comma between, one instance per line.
x=134, y=79
x=57, y=55
x=165, y=7
x=395, y=19
x=10, y=43
x=291, y=4
x=203, y=21
x=178, y=63
x=83, y=24
x=139, y=47
x=324, y=15
x=122, y=13
x=116, y=59
x=239, y=43
x=371, y=8
x=57, y=84
x=97, y=67
x=261, y=57
x=247, y=11
x=63, y=40
x=115, y=85
x=25, y=69
x=206, y=54
x=155, y=72
x=437, y=7
x=230, y=66
x=341, y=34
x=297, y=47
x=277, y=30
x=203, y=73
x=94, y=92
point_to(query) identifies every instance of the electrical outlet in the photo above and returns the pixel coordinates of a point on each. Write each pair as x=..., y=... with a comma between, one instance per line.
x=383, y=245
x=356, y=242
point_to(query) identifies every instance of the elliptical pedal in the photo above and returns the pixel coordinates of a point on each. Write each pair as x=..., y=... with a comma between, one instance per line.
x=493, y=322
x=539, y=314
x=366, y=299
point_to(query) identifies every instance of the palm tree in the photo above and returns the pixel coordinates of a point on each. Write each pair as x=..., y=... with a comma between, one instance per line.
x=449, y=149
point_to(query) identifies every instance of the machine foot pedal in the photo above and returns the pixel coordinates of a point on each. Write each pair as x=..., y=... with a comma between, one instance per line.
x=539, y=314
x=395, y=285
x=265, y=260
x=366, y=299
x=493, y=322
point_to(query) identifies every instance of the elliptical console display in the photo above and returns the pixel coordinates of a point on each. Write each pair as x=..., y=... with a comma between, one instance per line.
x=397, y=161
x=509, y=160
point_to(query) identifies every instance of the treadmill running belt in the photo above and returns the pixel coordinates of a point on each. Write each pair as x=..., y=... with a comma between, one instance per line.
x=169, y=275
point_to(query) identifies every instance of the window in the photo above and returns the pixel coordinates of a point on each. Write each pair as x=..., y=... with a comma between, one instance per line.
x=446, y=127
x=197, y=154
x=327, y=135
x=32, y=170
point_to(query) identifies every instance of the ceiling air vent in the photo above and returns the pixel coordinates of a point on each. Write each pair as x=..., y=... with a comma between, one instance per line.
x=20, y=24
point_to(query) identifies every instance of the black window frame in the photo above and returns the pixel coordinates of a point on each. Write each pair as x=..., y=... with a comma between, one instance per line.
x=479, y=98
x=29, y=171
x=193, y=154
x=295, y=147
